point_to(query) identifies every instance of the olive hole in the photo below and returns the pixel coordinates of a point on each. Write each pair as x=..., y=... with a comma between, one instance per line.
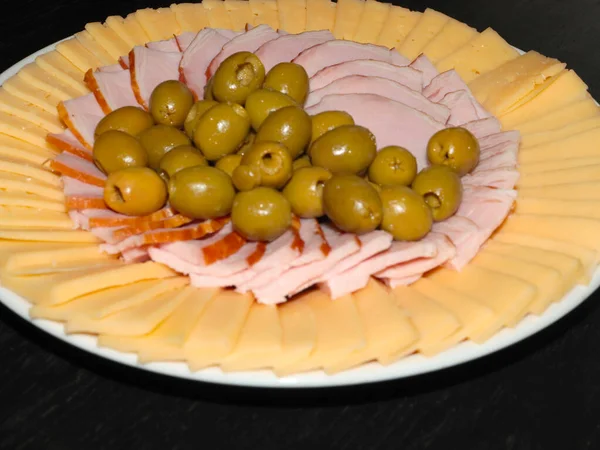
x=432, y=200
x=245, y=74
x=119, y=193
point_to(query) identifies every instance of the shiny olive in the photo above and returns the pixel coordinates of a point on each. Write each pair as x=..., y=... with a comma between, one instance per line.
x=290, y=79
x=201, y=192
x=305, y=191
x=273, y=162
x=248, y=142
x=246, y=177
x=303, y=161
x=237, y=77
x=170, y=103
x=135, y=191
x=115, y=150
x=228, y=163
x=454, y=147
x=159, y=140
x=406, y=216
x=261, y=214
x=327, y=121
x=129, y=119
x=263, y=102
x=393, y=166
x=199, y=108
x=180, y=158
x=347, y=149
x=352, y=204
x=289, y=126
x=441, y=188
x=221, y=130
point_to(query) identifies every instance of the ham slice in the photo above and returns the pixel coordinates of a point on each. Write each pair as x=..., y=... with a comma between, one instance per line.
x=287, y=47
x=426, y=67
x=501, y=178
x=78, y=168
x=358, y=84
x=512, y=138
x=167, y=45
x=67, y=142
x=409, y=77
x=463, y=111
x=483, y=127
x=124, y=62
x=192, y=250
x=103, y=218
x=81, y=116
x=395, y=282
x=111, y=89
x=148, y=68
x=136, y=255
x=316, y=246
x=329, y=53
x=391, y=122
x=497, y=161
x=111, y=68
x=184, y=40
x=73, y=187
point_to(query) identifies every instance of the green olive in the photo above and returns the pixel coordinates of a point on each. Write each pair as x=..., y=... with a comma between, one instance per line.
x=228, y=163
x=248, y=142
x=246, y=177
x=263, y=102
x=352, y=204
x=290, y=79
x=199, y=108
x=454, y=147
x=129, y=119
x=208, y=90
x=170, y=103
x=261, y=214
x=221, y=130
x=289, y=126
x=441, y=188
x=305, y=191
x=201, y=192
x=159, y=140
x=406, y=216
x=393, y=166
x=180, y=158
x=115, y=150
x=327, y=121
x=303, y=161
x=237, y=77
x=347, y=149
x=273, y=162
x=135, y=191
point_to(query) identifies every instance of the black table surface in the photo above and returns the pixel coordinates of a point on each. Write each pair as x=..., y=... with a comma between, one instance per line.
x=543, y=393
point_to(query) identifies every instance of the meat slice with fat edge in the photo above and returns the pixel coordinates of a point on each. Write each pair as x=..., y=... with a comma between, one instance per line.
x=112, y=89
x=81, y=115
x=426, y=67
x=148, y=68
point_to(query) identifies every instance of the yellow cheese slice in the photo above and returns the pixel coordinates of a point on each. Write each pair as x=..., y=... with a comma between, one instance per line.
x=219, y=18
x=292, y=15
x=78, y=55
x=453, y=35
x=20, y=184
x=580, y=145
x=388, y=331
x=399, y=23
x=37, y=77
x=558, y=164
x=19, y=150
x=264, y=12
x=95, y=48
x=159, y=24
x=574, y=191
x=18, y=107
x=555, y=93
x=477, y=320
x=191, y=17
x=430, y=24
x=483, y=53
x=23, y=129
x=347, y=16
x=36, y=261
x=108, y=40
x=128, y=29
x=10, y=249
x=563, y=176
x=572, y=113
x=534, y=139
x=23, y=90
x=240, y=13
x=259, y=343
x=60, y=67
x=509, y=297
x=31, y=171
x=29, y=201
x=72, y=236
x=339, y=331
x=320, y=15
x=25, y=218
x=546, y=206
x=371, y=22
x=217, y=331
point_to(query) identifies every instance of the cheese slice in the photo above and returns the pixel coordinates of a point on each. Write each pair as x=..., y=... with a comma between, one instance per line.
x=398, y=25
x=453, y=35
x=19, y=88
x=218, y=18
x=217, y=331
x=347, y=18
x=10, y=249
x=128, y=29
x=259, y=343
x=574, y=191
x=78, y=55
x=20, y=184
x=159, y=24
x=534, y=139
x=31, y=171
x=34, y=261
x=563, y=176
x=371, y=22
x=240, y=14
x=320, y=15
x=30, y=201
x=580, y=145
x=430, y=24
x=483, y=53
x=37, y=77
x=388, y=331
x=292, y=15
x=19, y=150
x=25, y=218
x=558, y=164
x=60, y=67
x=18, y=107
x=477, y=320
x=191, y=17
x=95, y=48
x=108, y=40
x=574, y=112
x=22, y=129
x=547, y=206
x=71, y=236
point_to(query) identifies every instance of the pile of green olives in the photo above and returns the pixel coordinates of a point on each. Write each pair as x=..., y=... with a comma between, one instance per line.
x=249, y=150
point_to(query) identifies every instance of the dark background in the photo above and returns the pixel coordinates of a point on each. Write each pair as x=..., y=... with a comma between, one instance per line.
x=543, y=393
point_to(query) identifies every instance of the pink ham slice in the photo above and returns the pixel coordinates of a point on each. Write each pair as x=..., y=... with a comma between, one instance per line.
x=81, y=116
x=457, y=229
x=249, y=41
x=287, y=47
x=191, y=251
x=111, y=68
x=483, y=127
x=409, y=77
x=316, y=247
x=358, y=84
x=67, y=142
x=73, y=187
x=334, y=52
x=512, y=138
x=113, y=89
x=184, y=40
x=168, y=45
x=81, y=169
x=149, y=68
x=135, y=255
x=391, y=122
x=426, y=67
x=124, y=62
x=463, y=111
x=497, y=161
x=500, y=178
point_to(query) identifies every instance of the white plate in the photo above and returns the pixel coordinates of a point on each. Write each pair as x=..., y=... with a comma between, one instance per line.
x=369, y=373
